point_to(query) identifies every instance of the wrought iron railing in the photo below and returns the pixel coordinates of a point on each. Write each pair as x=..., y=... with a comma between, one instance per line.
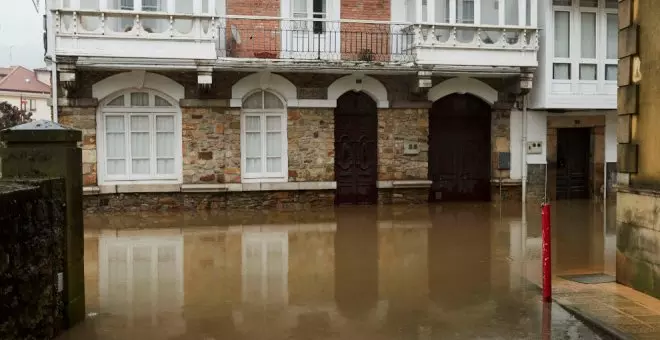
x=314, y=39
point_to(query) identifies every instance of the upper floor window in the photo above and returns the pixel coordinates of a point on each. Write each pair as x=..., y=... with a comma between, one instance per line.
x=140, y=137
x=308, y=9
x=490, y=12
x=585, y=40
x=263, y=136
x=33, y=105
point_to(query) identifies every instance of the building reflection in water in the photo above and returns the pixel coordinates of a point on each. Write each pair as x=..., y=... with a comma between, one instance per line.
x=450, y=271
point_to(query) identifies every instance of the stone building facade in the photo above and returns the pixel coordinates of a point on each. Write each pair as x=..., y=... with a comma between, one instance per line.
x=210, y=170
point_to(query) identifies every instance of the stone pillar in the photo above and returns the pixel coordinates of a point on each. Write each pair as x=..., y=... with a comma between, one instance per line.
x=44, y=149
x=638, y=197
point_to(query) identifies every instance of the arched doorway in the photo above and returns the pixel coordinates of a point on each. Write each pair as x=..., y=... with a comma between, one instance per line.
x=459, y=149
x=356, y=149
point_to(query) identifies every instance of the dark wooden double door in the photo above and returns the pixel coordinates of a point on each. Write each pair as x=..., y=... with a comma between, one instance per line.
x=356, y=149
x=459, y=149
x=573, y=153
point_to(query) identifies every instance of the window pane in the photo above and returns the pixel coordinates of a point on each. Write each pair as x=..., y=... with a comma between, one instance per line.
x=588, y=3
x=588, y=35
x=610, y=72
x=126, y=4
x=561, y=71
x=300, y=6
x=425, y=10
x=442, y=11
x=114, y=124
x=116, y=167
x=252, y=123
x=140, y=144
x=119, y=101
x=511, y=12
x=274, y=144
x=612, y=4
x=489, y=12
x=253, y=165
x=612, y=35
x=562, y=2
x=151, y=5
x=254, y=101
x=139, y=99
x=274, y=164
x=562, y=34
x=253, y=144
x=528, y=15
x=588, y=72
x=160, y=101
x=165, y=144
x=140, y=166
x=273, y=123
x=272, y=102
x=165, y=166
x=116, y=147
x=165, y=123
x=140, y=123
x=465, y=11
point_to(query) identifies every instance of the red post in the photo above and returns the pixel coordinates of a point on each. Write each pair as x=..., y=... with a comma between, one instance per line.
x=547, y=255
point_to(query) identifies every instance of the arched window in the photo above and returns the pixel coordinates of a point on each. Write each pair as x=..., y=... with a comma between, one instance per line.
x=140, y=138
x=263, y=136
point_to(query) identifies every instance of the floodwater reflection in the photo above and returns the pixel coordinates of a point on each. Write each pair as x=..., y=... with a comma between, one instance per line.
x=453, y=271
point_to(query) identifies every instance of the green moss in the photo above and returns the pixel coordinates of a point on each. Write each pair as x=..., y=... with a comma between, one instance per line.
x=624, y=235
x=643, y=279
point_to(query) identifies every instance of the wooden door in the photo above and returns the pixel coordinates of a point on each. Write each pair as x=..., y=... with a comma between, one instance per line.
x=573, y=151
x=459, y=149
x=356, y=149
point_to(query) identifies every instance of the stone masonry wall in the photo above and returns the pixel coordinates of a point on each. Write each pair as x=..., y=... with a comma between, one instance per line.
x=32, y=241
x=311, y=145
x=83, y=118
x=395, y=127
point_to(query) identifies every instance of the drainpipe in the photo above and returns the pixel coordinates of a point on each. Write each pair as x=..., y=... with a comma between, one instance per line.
x=50, y=40
x=523, y=163
x=53, y=89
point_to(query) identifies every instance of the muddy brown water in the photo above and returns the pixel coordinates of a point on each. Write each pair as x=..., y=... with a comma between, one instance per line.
x=451, y=271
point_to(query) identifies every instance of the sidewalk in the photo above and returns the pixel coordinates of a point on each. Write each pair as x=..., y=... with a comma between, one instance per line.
x=615, y=308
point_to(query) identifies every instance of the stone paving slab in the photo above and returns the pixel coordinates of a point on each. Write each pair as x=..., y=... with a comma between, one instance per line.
x=617, y=309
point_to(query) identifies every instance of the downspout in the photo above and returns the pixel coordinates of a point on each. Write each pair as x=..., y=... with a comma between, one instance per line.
x=53, y=89
x=50, y=40
x=523, y=163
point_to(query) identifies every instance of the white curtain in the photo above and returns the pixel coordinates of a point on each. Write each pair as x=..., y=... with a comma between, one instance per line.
x=140, y=145
x=561, y=71
x=612, y=36
x=253, y=144
x=411, y=10
x=165, y=146
x=562, y=34
x=588, y=35
x=115, y=145
x=273, y=144
x=588, y=71
x=489, y=12
x=139, y=99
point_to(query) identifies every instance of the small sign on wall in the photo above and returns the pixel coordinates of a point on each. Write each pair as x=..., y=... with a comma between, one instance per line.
x=534, y=148
x=410, y=148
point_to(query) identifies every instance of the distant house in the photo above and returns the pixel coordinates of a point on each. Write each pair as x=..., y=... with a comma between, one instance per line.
x=27, y=89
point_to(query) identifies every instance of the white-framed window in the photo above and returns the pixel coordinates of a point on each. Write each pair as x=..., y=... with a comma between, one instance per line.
x=488, y=12
x=33, y=105
x=140, y=138
x=585, y=40
x=264, y=138
x=309, y=9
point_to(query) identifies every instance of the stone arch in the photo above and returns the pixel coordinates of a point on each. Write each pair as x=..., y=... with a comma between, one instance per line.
x=371, y=86
x=264, y=81
x=463, y=85
x=138, y=80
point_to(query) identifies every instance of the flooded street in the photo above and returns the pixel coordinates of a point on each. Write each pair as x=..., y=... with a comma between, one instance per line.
x=451, y=271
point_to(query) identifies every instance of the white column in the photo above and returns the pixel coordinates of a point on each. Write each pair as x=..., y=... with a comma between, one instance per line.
x=534, y=13
x=418, y=11
x=477, y=12
x=522, y=12
x=137, y=5
x=75, y=4
x=103, y=5
x=430, y=8
x=171, y=6
x=500, y=12
x=452, y=11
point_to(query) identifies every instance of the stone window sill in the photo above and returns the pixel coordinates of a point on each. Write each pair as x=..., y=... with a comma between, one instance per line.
x=207, y=188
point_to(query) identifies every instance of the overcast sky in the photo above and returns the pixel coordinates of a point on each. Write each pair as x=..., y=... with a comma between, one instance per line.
x=21, y=34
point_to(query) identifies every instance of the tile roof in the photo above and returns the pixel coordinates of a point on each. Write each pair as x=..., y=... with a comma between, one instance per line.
x=20, y=79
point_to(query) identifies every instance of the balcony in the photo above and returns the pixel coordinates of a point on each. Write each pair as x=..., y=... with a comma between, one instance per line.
x=379, y=42
x=134, y=34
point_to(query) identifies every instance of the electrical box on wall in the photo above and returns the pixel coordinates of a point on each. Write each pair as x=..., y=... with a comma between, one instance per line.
x=410, y=148
x=503, y=161
x=534, y=148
